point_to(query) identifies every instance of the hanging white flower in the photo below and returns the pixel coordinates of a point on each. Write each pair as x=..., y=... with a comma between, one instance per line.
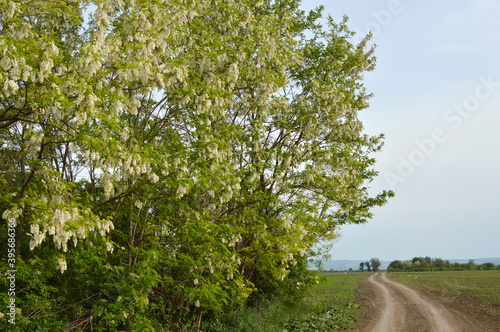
x=109, y=247
x=138, y=204
x=61, y=264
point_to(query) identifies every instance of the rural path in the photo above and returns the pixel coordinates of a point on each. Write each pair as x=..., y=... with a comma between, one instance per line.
x=400, y=308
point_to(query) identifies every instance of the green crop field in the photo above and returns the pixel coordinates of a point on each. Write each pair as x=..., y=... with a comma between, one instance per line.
x=337, y=289
x=477, y=289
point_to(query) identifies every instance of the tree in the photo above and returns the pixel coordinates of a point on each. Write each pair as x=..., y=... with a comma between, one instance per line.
x=362, y=266
x=395, y=266
x=375, y=264
x=487, y=266
x=169, y=160
x=368, y=266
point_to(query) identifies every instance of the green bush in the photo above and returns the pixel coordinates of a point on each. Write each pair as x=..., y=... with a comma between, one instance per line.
x=327, y=319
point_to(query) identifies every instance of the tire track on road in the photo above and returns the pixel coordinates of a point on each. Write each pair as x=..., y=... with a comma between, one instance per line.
x=389, y=318
x=401, y=308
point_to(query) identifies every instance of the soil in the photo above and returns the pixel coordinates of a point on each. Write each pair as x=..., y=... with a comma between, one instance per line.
x=394, y=307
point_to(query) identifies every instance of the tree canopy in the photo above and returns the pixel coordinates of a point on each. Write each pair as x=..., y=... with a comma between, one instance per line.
x=375, y=264
x=166, y=160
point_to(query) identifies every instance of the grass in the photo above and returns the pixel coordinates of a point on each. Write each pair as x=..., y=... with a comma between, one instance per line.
x=337, y=289
x=480, y=289
x=328, y=306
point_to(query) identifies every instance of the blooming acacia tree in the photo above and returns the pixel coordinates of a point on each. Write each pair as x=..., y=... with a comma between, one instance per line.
x=193, y=151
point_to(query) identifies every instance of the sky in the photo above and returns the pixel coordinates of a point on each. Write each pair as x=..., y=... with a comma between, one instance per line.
x=437, y=100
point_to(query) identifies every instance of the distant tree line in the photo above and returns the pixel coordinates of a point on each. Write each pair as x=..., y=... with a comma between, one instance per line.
x=422, y=264
x=373, y=264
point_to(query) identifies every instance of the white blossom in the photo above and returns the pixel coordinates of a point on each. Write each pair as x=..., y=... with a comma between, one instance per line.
x=181, y=191
x=109, y=246
x=61, y=264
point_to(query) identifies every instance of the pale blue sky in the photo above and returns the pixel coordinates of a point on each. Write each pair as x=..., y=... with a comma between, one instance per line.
x=437, y=99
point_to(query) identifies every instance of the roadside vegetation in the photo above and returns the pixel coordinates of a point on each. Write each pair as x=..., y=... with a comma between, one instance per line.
x=474, y=290
x=327, y=306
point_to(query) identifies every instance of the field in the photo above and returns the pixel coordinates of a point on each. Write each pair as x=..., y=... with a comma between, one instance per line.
x=477, y=291
x=337, y=289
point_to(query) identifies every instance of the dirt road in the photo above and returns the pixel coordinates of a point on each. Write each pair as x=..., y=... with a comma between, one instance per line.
x=399, y=308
